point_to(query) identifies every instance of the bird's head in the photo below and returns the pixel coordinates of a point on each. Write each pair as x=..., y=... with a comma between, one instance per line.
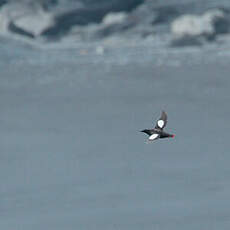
x=147, y=131
x=144, y=131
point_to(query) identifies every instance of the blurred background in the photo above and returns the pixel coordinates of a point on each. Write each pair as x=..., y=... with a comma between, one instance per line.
x=79, y=80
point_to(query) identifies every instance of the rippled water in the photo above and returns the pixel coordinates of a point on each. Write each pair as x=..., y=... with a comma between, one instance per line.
x=72, y=156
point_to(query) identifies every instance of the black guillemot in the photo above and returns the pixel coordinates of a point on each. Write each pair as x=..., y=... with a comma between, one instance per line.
x=158, y=132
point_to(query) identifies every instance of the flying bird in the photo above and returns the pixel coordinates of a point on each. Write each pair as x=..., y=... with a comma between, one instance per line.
x=158, y=131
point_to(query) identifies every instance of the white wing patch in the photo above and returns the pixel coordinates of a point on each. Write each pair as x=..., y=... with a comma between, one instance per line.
x=160, y=123
x=153, y=136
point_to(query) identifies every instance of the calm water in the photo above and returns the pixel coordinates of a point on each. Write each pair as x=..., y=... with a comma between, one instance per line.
x=72, y=156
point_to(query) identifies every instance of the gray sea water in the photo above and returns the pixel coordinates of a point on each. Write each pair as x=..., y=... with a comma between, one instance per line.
x=74, y=95
x=72, y=156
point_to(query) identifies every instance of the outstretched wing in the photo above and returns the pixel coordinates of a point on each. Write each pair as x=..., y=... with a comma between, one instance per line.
x=162, y=121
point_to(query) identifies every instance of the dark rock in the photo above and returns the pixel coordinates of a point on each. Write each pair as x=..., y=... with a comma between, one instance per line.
x=186, y=41
x=84, y=16
x=2, y=2
x=196, y=29
x=15, y=29
x=165, y=14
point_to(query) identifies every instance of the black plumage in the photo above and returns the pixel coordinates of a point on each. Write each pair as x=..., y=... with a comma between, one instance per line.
x=158, y=132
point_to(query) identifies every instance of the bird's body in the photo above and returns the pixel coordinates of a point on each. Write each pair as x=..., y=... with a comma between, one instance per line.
x=158, y=132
